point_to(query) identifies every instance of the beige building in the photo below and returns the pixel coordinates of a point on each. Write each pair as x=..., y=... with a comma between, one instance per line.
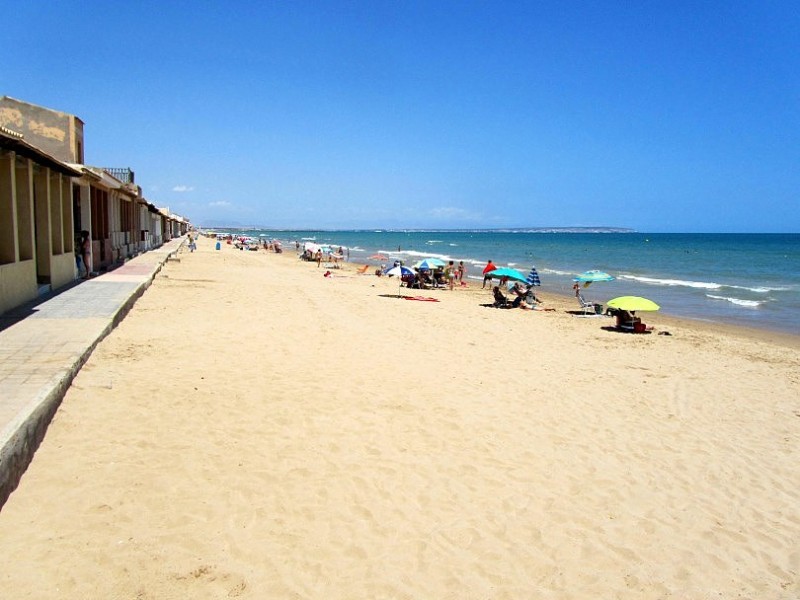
x=103, y=200
x=48, y=196
x=37, y=247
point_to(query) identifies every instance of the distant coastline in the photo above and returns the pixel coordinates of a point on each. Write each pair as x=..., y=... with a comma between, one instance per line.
x=435, y=229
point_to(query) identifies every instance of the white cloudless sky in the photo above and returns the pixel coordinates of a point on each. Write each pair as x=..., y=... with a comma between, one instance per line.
x=659, y=116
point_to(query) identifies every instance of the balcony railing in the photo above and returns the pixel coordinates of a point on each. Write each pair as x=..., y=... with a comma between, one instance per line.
x=124, y=175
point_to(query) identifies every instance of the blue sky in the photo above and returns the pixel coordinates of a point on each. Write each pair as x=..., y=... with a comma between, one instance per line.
x=660, y=116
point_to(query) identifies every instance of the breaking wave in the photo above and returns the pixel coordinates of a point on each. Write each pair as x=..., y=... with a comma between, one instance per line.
x=738, y=301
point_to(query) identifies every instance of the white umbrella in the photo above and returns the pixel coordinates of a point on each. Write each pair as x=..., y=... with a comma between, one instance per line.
x=399, y=271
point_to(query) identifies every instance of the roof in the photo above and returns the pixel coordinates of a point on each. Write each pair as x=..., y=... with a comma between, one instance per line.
x=85, y=171
x=105, y=178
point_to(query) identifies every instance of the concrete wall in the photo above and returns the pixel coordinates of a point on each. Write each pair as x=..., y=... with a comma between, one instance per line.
x=17, y=284
x=62, y=270
x=56, y=133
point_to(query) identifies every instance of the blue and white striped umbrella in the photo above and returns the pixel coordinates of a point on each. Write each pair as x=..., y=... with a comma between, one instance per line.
x=429, y=264
x=533, y=277
x=399, y=271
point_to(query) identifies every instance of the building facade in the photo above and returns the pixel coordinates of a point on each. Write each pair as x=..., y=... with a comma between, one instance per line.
x=48, y=196
x=37, y=246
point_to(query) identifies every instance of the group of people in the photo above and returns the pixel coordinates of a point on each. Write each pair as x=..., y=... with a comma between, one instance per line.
x=447, y=276
x=524, y=297
x=315, y=254
x=451, y=274
x=272, y=246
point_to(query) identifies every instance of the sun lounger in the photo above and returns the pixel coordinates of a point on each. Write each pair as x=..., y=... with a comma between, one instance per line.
x=589, y=308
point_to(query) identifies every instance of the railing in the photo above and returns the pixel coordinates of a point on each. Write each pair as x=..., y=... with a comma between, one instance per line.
x=125, y=175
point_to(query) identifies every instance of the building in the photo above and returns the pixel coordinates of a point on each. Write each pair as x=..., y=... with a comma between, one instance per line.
x=48, y=196
x=37, y=245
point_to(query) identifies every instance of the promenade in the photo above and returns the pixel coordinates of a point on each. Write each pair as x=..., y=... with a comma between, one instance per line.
x=43, y=345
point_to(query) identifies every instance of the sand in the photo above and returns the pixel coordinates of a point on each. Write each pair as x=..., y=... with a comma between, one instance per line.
x=253, y=429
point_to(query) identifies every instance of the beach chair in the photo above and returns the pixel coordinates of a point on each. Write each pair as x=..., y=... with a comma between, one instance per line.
x=362, y=270
x=588, y=307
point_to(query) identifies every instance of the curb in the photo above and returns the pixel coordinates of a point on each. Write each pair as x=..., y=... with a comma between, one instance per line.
x=21, y=437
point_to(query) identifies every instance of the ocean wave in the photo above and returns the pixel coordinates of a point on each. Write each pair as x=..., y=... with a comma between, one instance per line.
x=705, y=285
x=760, y=289
x=416, y=253
x=555, y=272
x=738, y=301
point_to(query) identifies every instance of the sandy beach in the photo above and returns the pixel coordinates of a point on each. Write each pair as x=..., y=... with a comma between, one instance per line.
x=253, y=429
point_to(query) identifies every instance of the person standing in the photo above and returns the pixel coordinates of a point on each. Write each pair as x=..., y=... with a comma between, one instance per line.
x=86, y=253
x=462, y=270
x=450, y=274
x=490, y=266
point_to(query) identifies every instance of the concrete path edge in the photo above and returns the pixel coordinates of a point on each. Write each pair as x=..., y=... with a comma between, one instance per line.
x=20, y=438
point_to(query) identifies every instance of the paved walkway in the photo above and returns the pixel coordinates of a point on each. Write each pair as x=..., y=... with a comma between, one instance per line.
x=44, y=344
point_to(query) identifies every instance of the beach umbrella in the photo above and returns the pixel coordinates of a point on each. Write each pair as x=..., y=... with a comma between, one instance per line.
x=429, y=264
x=588, y=277
x=399, y=271
x=507, y=272
x=533, y=277
x=378, y=257
x=632, y=304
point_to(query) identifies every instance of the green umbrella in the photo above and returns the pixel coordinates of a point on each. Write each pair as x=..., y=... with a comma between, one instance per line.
x=632, y=304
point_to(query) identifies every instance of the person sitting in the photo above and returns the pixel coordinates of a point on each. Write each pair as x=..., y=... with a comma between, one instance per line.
x=519, y=294
x=626, y=320
x=500, y=301
x=417, y=282
x=438, y=278
x=532, y=299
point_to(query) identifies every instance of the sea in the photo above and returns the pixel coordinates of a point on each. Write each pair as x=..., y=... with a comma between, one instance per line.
x=743, y=279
